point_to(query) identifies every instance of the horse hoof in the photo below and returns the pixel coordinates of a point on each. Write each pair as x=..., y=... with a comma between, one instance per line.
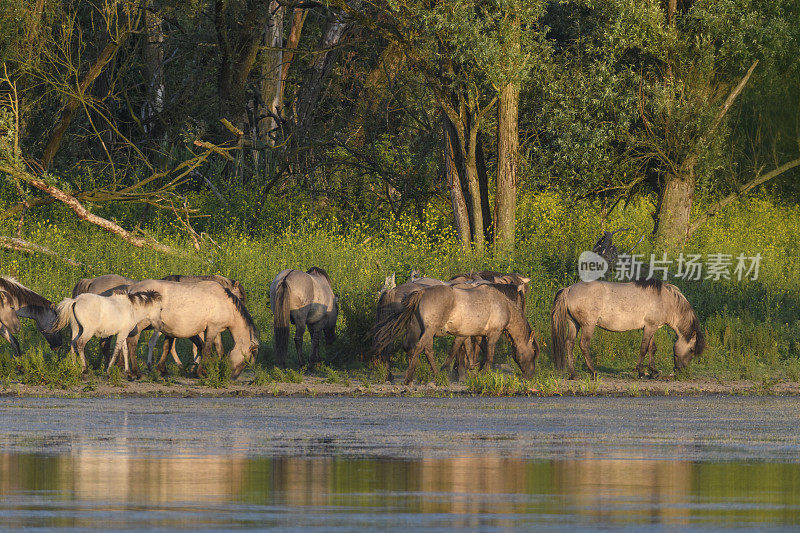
x=654, y=373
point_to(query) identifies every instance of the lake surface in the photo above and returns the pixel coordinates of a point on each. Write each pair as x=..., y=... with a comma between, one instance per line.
x=352, y=464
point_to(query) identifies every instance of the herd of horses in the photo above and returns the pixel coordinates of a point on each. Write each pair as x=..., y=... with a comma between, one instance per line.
x=476, y=309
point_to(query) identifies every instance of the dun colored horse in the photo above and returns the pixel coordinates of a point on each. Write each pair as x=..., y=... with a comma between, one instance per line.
x=18, y=301
x=304, y=299
x=480, y=311
x=191, y=309
x=645, y=304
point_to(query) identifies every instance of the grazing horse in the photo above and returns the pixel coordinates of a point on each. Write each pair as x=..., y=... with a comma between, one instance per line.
x=92, y=315
x=232, y=285
x=466, y=358
x=206, y=307
x=304, y=299
x=480, y=311
x=645, y=304
x=17, y=301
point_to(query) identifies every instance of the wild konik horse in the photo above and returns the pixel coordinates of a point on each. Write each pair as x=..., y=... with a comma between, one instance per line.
x=480, y=311
x=232, y=285
x=390, y=305
x=107, y=285
x=17, y=301
x=645, y=304
x=206, y=307
x=92, y=315
x=304, y=299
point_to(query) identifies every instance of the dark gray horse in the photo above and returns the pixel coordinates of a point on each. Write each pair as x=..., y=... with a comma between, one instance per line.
x=17, y=301
x=304, y=299
x=480, y=311
x=645, y=304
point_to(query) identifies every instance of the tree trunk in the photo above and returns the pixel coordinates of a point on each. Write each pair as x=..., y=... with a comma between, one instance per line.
x=154, y=61
x=271, y=74
x=674, y=210
x=311, y=90
x=483, y=182
x=451, y=168
x=471, y=164
x=298, y=18
x=507, y=164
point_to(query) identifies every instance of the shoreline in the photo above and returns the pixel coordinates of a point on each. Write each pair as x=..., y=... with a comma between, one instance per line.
x=314, y=386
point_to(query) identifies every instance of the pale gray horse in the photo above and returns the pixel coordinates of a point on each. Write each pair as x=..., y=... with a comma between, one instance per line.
x=92, y=315
x=234, y=286
x=107, y=285
x=18, y=301
x=645, y=304
x=191, y=309
x=480, y=311
x=390, y=305
x=306, y=300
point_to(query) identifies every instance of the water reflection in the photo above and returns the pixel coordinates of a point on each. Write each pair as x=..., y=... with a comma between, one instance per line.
x=98, y=488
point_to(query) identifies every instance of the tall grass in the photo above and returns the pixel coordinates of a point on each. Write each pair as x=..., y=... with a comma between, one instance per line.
x=753, y=327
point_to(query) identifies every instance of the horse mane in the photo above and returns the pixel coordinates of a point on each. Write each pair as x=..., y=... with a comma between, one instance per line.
x=22, y=294
x=240, y=308
x=321, y=272
x=650, y=283
x=686, y=321
x=143, y=297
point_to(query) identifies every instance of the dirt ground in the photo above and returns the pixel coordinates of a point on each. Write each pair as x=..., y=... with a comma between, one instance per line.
x=318, y=386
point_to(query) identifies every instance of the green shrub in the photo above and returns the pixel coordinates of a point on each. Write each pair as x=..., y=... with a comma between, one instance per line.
x=218, y=373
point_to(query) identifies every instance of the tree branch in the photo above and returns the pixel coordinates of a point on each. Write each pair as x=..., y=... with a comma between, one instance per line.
x=21, y=245
x=744, y=189
x=85, y=214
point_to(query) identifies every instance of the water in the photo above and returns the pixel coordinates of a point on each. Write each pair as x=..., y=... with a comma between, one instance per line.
x=349, y=464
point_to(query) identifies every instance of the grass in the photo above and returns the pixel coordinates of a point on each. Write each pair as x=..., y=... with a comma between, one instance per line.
x=217, y=373
x=753, y=327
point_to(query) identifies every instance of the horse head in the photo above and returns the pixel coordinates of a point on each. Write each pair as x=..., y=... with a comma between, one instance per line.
x=527, y=354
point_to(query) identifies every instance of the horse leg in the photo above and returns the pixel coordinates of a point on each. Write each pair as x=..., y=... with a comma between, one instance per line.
x=315, y=332
x=162, y=363
x=151, y=347
x=206, y=351
x=131, y=343
x=218, y=345
x=653, y=372
x=432, y=360
x=491, y=343
x=198, y=342
x=569, y=345
x=586, y=339
x=458, y=343
x=299, y=331
x=11, y=339
x=412, y=361
x=647, y=337
x=120, y=347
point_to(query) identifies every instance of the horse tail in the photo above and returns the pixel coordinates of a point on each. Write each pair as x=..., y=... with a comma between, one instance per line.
x=387, y=332
x=81, y=287
x=64, y=311
x=280, y=309
x=559, y=327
